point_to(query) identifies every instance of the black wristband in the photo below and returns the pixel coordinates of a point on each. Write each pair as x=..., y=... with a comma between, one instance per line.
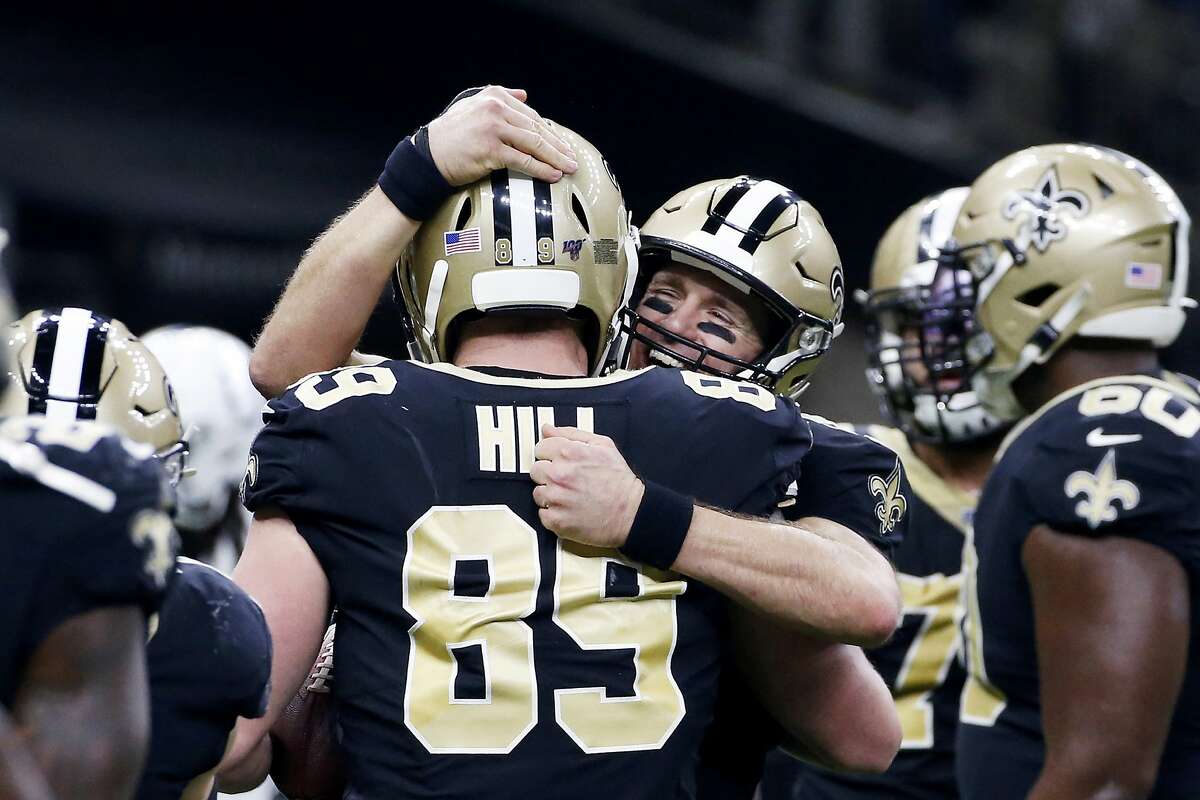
x=659, y=527
x=413, y=182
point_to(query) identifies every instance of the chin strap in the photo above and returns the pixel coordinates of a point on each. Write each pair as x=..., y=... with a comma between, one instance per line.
x=433, y=301
x=1041, y=344
x=614, y=353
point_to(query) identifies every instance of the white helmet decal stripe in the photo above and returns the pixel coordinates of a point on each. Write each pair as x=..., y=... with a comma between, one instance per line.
x=66, y=370
x=524, y=219
x=748, y=208
x=948, y=204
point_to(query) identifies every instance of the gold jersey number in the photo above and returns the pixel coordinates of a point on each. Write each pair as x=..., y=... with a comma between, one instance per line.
x=936, y=599
x=494, y=623
x=982, y=703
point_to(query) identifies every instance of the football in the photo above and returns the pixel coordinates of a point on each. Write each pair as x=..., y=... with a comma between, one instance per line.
x=306, y=759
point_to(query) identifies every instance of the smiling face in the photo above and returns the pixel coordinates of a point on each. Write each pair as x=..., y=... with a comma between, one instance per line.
x=701, y=308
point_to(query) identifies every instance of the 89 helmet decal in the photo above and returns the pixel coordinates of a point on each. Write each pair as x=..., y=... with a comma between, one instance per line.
x=510, y=243
x=71, y=363
x=1068, y=240
x=765, y=241
x=920, y=313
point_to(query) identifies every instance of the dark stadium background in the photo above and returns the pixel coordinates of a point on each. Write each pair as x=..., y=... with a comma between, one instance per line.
x=173, y=168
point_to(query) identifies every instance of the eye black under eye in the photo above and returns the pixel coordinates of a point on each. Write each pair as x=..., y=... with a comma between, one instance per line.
x=720, y=331
x=658, y=304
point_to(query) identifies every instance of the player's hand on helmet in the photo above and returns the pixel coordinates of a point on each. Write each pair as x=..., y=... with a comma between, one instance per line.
x=494, y=129
x=585, y=490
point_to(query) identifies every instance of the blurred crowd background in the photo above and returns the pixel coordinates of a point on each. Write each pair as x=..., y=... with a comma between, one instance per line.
x=174, y=169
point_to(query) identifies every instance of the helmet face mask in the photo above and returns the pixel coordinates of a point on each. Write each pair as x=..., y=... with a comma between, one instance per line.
x=812, y=334
x=175, y=460
x=772, y=248
x=918, y=363
x=921, y=325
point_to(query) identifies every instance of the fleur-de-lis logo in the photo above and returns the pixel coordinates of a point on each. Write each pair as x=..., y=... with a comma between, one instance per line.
x=1041, y=208
x=892, y=505
x=250, y=478
x=1101, y=492
x=837, y=290
x=153, y=533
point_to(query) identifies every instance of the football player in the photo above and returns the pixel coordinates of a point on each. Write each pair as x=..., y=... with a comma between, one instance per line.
x=740, y=277
x=20, y=776
x=420, y=690
x=209, y=370
x=209, y=663
x=1083, y=565
x=316, y=323
x=919, y=316
x=87, y=554
x=326, y=304
x=208, y=656
x=312, y=324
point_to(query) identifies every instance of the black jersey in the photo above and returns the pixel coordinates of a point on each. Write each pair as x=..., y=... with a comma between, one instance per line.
x=921, y=664
x=847, y=477
x=477, y=654
x=208, y=662
x=85, y=527
x=1114, y=457
x=853, y=479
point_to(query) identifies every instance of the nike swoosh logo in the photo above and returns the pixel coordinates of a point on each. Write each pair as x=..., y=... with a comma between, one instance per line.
x=1098, y=438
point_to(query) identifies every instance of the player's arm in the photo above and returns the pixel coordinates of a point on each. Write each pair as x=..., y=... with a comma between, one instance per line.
x=329, y=298
x=83, y=705
x=20, y=776
x=1112, y=625
x=814, y=575
x=295, y=602
x=833, y=706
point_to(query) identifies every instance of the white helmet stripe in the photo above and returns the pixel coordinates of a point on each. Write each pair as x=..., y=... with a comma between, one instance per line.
x=66, y=370
x=748, y=208
x=948, y=204
x=524, y=219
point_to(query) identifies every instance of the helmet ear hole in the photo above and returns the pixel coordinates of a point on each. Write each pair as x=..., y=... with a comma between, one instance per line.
x=1038, y=295
x=464, y=214
x=580, y=214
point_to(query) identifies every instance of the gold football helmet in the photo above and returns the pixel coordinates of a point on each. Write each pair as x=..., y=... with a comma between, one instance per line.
x=511, y=243
x=71, y=363
x=920, y=313
x=1068, y=240
x=764, y=240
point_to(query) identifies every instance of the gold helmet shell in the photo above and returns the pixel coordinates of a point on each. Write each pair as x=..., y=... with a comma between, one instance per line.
x=71, y=363
x=919, y=316
x=763, y=239
x=1069, y=240
x=509, y=242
